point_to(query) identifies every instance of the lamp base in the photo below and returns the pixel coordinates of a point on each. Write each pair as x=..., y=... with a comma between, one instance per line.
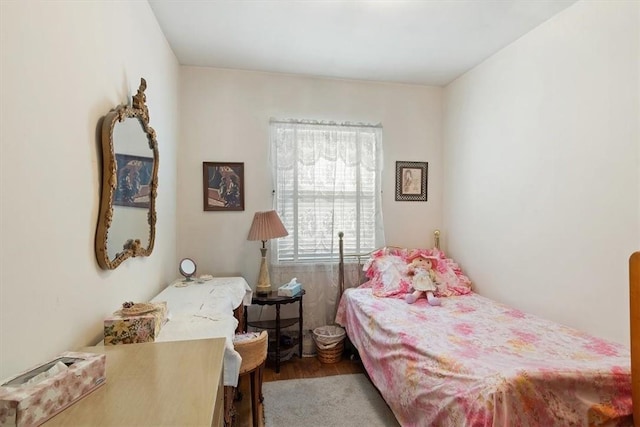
x=263, y=291
x=264, y=284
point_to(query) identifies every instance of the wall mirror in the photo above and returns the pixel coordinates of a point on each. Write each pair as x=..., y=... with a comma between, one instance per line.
x=127, y=221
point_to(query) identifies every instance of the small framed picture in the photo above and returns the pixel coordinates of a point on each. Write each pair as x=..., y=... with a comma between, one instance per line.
x=223, y=186
x=411, y=181
x=134, y=181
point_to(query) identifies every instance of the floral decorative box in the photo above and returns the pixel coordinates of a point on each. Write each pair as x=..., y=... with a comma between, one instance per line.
x=124, y=328
x=32, y=397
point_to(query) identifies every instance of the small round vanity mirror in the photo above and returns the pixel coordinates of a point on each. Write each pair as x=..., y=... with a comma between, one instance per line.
x=187, y=269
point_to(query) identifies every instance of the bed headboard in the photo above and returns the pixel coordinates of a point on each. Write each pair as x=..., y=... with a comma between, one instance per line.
x=634, y=310
x=436, y=244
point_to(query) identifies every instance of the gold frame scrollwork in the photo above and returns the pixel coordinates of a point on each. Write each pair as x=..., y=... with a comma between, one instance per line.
x=132, y=247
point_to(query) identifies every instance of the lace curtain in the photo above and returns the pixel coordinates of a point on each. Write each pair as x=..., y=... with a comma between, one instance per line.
x=327, y=178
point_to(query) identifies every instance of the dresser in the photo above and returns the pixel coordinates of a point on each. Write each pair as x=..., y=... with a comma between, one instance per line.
x=154, y=384
x=206, y=310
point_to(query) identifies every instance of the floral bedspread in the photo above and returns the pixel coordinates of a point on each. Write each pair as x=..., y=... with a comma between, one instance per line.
x=475, y=362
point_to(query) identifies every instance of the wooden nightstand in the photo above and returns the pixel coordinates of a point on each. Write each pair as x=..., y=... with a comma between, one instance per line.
x=278, y=324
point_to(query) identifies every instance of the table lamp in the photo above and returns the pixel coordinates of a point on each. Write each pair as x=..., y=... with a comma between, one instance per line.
x=265, y=226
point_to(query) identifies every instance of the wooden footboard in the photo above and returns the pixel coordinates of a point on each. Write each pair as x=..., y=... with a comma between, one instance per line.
x=634, y=301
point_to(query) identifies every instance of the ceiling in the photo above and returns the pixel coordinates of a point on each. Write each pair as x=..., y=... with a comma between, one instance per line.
x=429, y=42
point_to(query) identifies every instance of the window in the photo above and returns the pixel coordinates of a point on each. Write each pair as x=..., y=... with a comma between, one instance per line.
x=327, y=179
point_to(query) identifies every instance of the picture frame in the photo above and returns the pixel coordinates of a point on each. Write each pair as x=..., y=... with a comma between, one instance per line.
x=223, y=186
x=133, y=188
x=411, y=181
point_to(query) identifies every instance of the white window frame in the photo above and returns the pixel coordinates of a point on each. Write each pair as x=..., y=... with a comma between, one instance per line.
x=353, y=243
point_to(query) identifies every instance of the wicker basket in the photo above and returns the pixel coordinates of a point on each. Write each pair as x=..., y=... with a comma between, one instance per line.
x=329, y=343
x=331, y=355
x=252, y=347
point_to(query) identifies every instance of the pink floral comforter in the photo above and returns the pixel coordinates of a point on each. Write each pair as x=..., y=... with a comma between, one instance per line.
x=474, y=362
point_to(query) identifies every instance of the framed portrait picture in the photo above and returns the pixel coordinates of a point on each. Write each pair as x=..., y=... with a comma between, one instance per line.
x=134, y=181
x=223, y=186
x=411, y=181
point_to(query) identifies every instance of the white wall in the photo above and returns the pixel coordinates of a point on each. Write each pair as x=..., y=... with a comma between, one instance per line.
x=541, y=161
x=225, y=117
x=65, y=65
x=541, y=138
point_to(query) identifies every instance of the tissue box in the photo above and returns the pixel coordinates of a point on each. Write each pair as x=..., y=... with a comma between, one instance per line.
x=289, y=290
x=29, y=401
x=122, y=329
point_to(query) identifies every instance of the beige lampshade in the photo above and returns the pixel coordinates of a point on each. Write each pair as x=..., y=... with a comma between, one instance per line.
x=266, y=225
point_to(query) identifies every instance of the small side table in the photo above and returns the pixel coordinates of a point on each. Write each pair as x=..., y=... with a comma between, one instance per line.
x=274, y=299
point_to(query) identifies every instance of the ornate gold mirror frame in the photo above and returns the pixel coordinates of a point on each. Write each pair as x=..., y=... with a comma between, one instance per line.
x=129, y=184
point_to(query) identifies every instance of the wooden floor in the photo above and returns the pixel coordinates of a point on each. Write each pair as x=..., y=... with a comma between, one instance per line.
x=307, y=367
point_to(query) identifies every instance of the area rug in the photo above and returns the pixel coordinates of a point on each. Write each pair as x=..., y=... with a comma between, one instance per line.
x=335, y=401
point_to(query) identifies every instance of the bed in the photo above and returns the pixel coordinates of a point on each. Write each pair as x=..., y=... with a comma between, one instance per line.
x=475, y=362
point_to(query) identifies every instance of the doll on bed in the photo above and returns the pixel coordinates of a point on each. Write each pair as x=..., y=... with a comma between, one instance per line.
x=422, y=268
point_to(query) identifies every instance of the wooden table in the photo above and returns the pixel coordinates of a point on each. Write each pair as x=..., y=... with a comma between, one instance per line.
x=154, y=384
x=274, y=299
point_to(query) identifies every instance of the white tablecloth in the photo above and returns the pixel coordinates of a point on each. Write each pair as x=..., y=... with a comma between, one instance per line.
x=205, y=310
